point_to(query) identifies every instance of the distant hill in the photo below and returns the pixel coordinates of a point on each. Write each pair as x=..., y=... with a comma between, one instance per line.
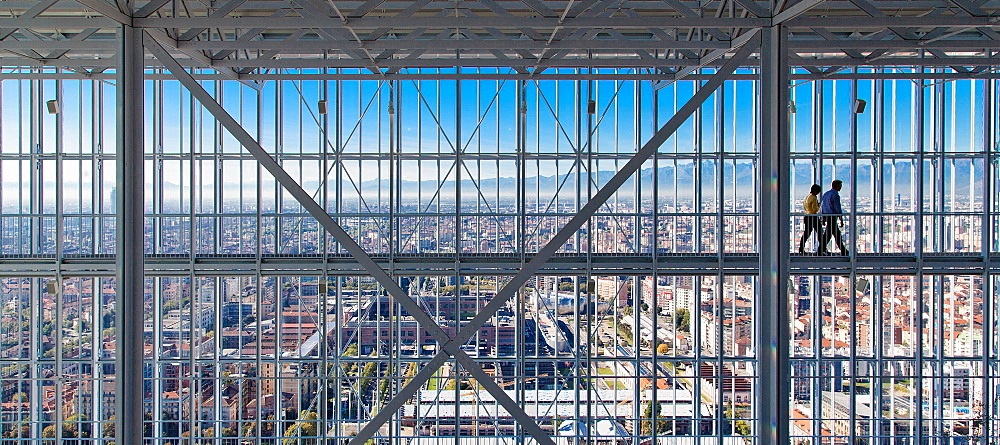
x=683, y=176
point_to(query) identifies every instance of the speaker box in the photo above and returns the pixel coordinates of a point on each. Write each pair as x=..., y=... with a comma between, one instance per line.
x=859, y=105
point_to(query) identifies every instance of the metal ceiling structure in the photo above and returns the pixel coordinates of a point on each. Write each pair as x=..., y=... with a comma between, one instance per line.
x=661, y=40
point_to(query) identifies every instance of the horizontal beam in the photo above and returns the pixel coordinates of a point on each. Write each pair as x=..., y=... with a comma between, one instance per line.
x=452, y=62
x=507, y=22
x=794, y=11
x=897, y=61
x=871, y=45
x=927, y=21
x=92, y=44
x=62, y=23
x=108, y=10
x=446, y=46
x=512, y=22
x=202, y=60
x=510, y=76
x=471, y=265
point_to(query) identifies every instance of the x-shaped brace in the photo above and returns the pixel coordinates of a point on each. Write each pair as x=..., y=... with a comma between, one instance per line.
x=450, y=346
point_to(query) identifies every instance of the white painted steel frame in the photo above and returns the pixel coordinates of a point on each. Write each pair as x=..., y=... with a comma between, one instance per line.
x=252, y=34
x=766, y=258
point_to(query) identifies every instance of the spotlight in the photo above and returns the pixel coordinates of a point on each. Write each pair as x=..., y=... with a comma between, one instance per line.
x=591, y=107
x=53, y=106
x=859, y=105
x=52, y=287
x=322, y=106
x=391, y=109
x=791, y=107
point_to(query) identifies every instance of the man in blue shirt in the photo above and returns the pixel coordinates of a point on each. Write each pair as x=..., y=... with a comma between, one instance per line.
x=832, y=217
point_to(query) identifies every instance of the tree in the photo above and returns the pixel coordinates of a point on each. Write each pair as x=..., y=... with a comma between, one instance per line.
x=108, y=430
x=625, y=332
x=267, y=428
x=68, y=430
x=366, y=373
x=383, y=386
x=740, y=427
x=17, y=431
x=743, y=428
x=682, y=319
x=351, y=351
x=651, y=414
x=302, y=432
x=82, y=421
x=663, y=349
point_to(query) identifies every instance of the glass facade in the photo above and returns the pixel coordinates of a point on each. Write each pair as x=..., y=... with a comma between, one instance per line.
x=644, y=327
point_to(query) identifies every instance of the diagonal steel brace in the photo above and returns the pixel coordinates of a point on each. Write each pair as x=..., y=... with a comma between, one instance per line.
x=342, y=237
x=560, y=238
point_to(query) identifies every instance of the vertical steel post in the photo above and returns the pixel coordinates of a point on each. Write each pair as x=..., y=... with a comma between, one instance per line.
x=129, y=250
x=772, y=302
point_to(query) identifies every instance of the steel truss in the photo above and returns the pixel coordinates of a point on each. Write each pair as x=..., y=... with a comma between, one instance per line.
x=403, y=41
x=241, y=37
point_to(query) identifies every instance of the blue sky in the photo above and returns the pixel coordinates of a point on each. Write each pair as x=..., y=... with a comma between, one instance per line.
x=429, y=121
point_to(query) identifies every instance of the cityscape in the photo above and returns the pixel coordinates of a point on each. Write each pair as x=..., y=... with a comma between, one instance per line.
x=605, y=357
x=619, y=228
x=499, y=222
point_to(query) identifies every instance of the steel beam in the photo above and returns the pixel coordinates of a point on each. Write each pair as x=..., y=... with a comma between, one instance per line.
x=472, y=265
x=794, y=11
x=342, y=237
x=714, y=55
x=31, y=14
x=149, y=8
x=402, y=23
x=923, y=21
x=217, y=14
x=92, y=44
x=437, y=47
x=129, y=348
x=465, y=63
x=772, y=300
x=62, y=23
x=203, y=60
x=479, y=76
x=447, y=46
x=108, y=11
x=288, y=23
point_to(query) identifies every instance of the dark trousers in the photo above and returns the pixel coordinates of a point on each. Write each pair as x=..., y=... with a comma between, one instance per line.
x=813, y=224
x=832, y=231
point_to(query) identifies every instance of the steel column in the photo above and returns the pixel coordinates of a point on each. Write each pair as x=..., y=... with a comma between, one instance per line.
x=129, y=250
x=772, y=300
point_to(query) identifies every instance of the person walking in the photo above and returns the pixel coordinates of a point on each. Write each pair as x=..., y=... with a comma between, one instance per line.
x=833, y=217
x=812, y=219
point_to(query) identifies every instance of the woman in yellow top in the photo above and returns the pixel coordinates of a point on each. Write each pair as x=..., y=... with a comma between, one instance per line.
x=812, y=218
